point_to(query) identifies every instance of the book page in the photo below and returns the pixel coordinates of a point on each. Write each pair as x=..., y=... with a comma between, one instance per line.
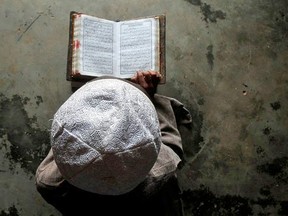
x=96, y=46
x=138, y=46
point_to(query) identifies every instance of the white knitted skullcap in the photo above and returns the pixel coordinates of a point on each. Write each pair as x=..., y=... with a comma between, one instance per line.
x=106, y=138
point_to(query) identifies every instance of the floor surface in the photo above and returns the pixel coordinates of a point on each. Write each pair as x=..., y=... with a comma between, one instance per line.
x=226, y=61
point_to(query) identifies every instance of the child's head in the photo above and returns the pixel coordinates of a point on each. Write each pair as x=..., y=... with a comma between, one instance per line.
x=106, y=138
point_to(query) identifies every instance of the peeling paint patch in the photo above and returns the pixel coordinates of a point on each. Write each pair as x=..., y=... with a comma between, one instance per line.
x=210, y=15
x=12, y=211
x=38, y=100
x=210, y=56
x=276, y=105
x=277, y=169
x=195, y=2
x=28, y=145
x=267, y=131
x=25, y=100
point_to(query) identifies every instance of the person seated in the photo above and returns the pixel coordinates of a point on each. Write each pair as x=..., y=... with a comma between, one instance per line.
x=115, y=149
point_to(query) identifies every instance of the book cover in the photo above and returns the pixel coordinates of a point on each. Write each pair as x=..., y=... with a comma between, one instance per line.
x=99, y=47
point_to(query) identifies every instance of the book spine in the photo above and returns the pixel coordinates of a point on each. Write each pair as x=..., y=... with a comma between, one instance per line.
x=76, y=65
x=163, y=48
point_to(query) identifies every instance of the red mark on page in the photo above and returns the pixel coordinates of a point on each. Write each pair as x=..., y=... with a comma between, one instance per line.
x=76, y=15
x=76, y=44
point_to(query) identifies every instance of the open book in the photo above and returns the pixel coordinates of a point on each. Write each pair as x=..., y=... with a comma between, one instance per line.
x=100, y=47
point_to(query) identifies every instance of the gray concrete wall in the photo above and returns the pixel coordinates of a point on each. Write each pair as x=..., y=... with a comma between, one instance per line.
x=226, y=60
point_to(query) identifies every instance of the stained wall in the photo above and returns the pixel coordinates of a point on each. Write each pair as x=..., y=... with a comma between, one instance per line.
x=226, y=61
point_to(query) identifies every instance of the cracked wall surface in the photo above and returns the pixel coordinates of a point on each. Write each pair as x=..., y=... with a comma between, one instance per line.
x=226, y=61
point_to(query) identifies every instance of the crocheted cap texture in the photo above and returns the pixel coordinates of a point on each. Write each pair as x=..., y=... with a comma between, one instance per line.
x=106, y=138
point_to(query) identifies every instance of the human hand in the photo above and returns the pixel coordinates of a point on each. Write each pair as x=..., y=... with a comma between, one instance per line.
x=147, y=79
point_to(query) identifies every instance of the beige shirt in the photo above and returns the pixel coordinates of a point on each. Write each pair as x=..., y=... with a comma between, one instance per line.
x=48, y=174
